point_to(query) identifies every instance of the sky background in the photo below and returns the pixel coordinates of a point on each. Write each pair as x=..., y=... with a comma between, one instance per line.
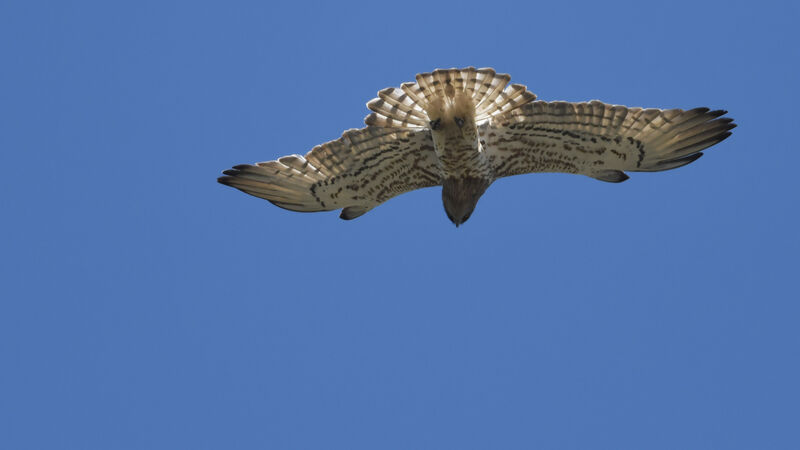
x=145, y=306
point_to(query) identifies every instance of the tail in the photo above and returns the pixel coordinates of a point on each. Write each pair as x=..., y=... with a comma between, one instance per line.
x=406, y=107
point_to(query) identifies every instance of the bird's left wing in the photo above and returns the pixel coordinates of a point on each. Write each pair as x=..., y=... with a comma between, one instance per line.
x=599, y=140
x=357, y=172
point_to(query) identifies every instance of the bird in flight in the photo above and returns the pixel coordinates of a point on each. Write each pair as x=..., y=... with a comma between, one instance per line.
x=462, y=129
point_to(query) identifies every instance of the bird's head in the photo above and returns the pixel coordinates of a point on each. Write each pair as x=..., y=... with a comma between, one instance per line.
x=460, y=195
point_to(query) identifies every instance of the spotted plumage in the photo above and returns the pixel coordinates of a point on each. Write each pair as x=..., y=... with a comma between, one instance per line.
x=465, y=128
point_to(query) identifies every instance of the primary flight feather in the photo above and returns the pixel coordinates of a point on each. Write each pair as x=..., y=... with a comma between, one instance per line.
x=462, y=129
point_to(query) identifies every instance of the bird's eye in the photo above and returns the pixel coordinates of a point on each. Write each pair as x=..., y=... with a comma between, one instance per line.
x=466, y=218
x=459, y=121
x=435, y=124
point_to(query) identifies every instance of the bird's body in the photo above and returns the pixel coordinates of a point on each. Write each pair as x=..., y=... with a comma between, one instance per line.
x=463, y=129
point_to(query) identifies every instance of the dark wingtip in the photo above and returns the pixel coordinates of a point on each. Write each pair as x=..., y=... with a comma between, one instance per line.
x=696, y=156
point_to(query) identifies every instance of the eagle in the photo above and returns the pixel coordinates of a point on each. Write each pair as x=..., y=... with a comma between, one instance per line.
x=462, y=129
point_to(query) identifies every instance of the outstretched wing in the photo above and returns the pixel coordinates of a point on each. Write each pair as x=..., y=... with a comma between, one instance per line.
x=599, y=140
x=356, y=172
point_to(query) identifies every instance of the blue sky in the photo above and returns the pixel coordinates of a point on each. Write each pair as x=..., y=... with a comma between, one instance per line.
x=145, y=306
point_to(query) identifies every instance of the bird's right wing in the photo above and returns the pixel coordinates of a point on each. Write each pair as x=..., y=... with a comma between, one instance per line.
x=599, y=140
x=357, y=172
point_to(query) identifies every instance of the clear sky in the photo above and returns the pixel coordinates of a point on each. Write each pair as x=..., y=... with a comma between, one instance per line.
x=145, y=306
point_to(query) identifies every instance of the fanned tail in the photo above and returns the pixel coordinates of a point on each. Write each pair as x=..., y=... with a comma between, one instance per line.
x=406, y=107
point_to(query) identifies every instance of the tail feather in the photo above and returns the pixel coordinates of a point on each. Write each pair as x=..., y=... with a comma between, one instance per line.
x=407, y=106
x=495, y=84
x=395, y=108
x=486, y=81
x=414, y=92
x=513, y=96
